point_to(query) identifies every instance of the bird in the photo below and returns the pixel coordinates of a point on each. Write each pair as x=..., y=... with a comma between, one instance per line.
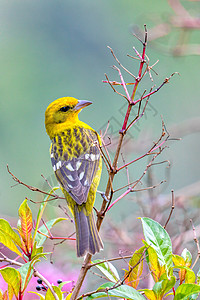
x=77, y=163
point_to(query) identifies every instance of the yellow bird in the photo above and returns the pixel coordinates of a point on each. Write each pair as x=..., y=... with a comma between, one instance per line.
x=77, y=164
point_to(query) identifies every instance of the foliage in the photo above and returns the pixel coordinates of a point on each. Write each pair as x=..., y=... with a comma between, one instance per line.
x=156, y=254
x=172, y=274
x=28, y=245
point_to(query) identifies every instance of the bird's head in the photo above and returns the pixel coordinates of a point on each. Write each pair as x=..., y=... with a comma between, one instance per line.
x=63, y=113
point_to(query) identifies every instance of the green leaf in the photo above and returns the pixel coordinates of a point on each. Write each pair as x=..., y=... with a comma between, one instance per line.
x=108, y=270
x=40, y=238
x=68, y=296
x=64, y=283
x=123, y=291
x=169, y=294
x=189, y=276
x=10, y=292
x=8, y=237
x=198, y=277
x=154, y=266
x=149, y=294
x=38, y=294
x=13, y=278
x=178, y=260
x=157, y=237
x=3, y=295
x=187, y=257
x=25, y=216
x=193, y=297
x=185, y=290
x=26, y=274
x=36, y=250
x=49, y=295
x=159, y=288
x=26, y=270
x=163, y=286
x=170, y=282
x=135, y=268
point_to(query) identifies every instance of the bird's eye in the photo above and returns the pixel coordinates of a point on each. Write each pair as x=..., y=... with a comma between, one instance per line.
x=65, y=108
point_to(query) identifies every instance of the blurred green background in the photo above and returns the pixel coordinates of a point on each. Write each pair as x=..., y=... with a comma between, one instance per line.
x=51, y=49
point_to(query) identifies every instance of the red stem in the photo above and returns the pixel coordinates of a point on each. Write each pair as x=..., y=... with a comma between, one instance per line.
x=126, y=117
x=51, y=237
x=136, y=83
x=141, y=66
x=173, y=289
x=151, y=93
x=147, y=153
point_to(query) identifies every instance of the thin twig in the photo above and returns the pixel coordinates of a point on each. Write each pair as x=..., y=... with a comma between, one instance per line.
x=10, y=261
x=118, y=83
x=52, y=189
x=110, y=259
x=120, y=63
x=171, y=211
x=123, y=82
x=131, y=189
x=32, y=188
x=116, y=285
x=114, y=90
x=197, y=244
x=108, y=159
x=138, y=117
x=127, y=173
x=103, y=135
x=37, y=274
x=150, y=152
x=156, y=90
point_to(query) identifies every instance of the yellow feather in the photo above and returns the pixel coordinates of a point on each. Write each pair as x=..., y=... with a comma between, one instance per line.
x=72, y=140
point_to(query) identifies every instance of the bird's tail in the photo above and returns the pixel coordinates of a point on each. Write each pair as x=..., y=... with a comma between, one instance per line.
x=87, y=237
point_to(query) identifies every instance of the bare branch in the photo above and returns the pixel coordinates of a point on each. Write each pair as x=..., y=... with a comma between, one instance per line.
x=123, y=82
x=120, y=63
x=115, y=89
x=156, y=90
x=197, y=244
x=172, y=208
x=37, y=274
x=34, y=189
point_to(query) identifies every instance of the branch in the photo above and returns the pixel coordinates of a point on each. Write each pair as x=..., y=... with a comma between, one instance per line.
x=37, y=274
x=114, y=90
x=117, y=60
x=10, y=261
x=197, y=244
x=123, y=83
x=172, y=208
x=113, y=170
x=150, y=152
x=119, y=283
x=156, y=90
x=32, y=188
x=131, y=189
x=110, y=259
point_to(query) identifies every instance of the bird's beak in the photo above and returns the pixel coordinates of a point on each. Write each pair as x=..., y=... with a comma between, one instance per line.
x=81, y=104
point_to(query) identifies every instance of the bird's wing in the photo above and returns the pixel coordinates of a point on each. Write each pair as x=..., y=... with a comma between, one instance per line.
x=76, y=174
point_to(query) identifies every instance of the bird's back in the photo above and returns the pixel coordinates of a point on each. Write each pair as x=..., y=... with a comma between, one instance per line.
x=76, y=160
